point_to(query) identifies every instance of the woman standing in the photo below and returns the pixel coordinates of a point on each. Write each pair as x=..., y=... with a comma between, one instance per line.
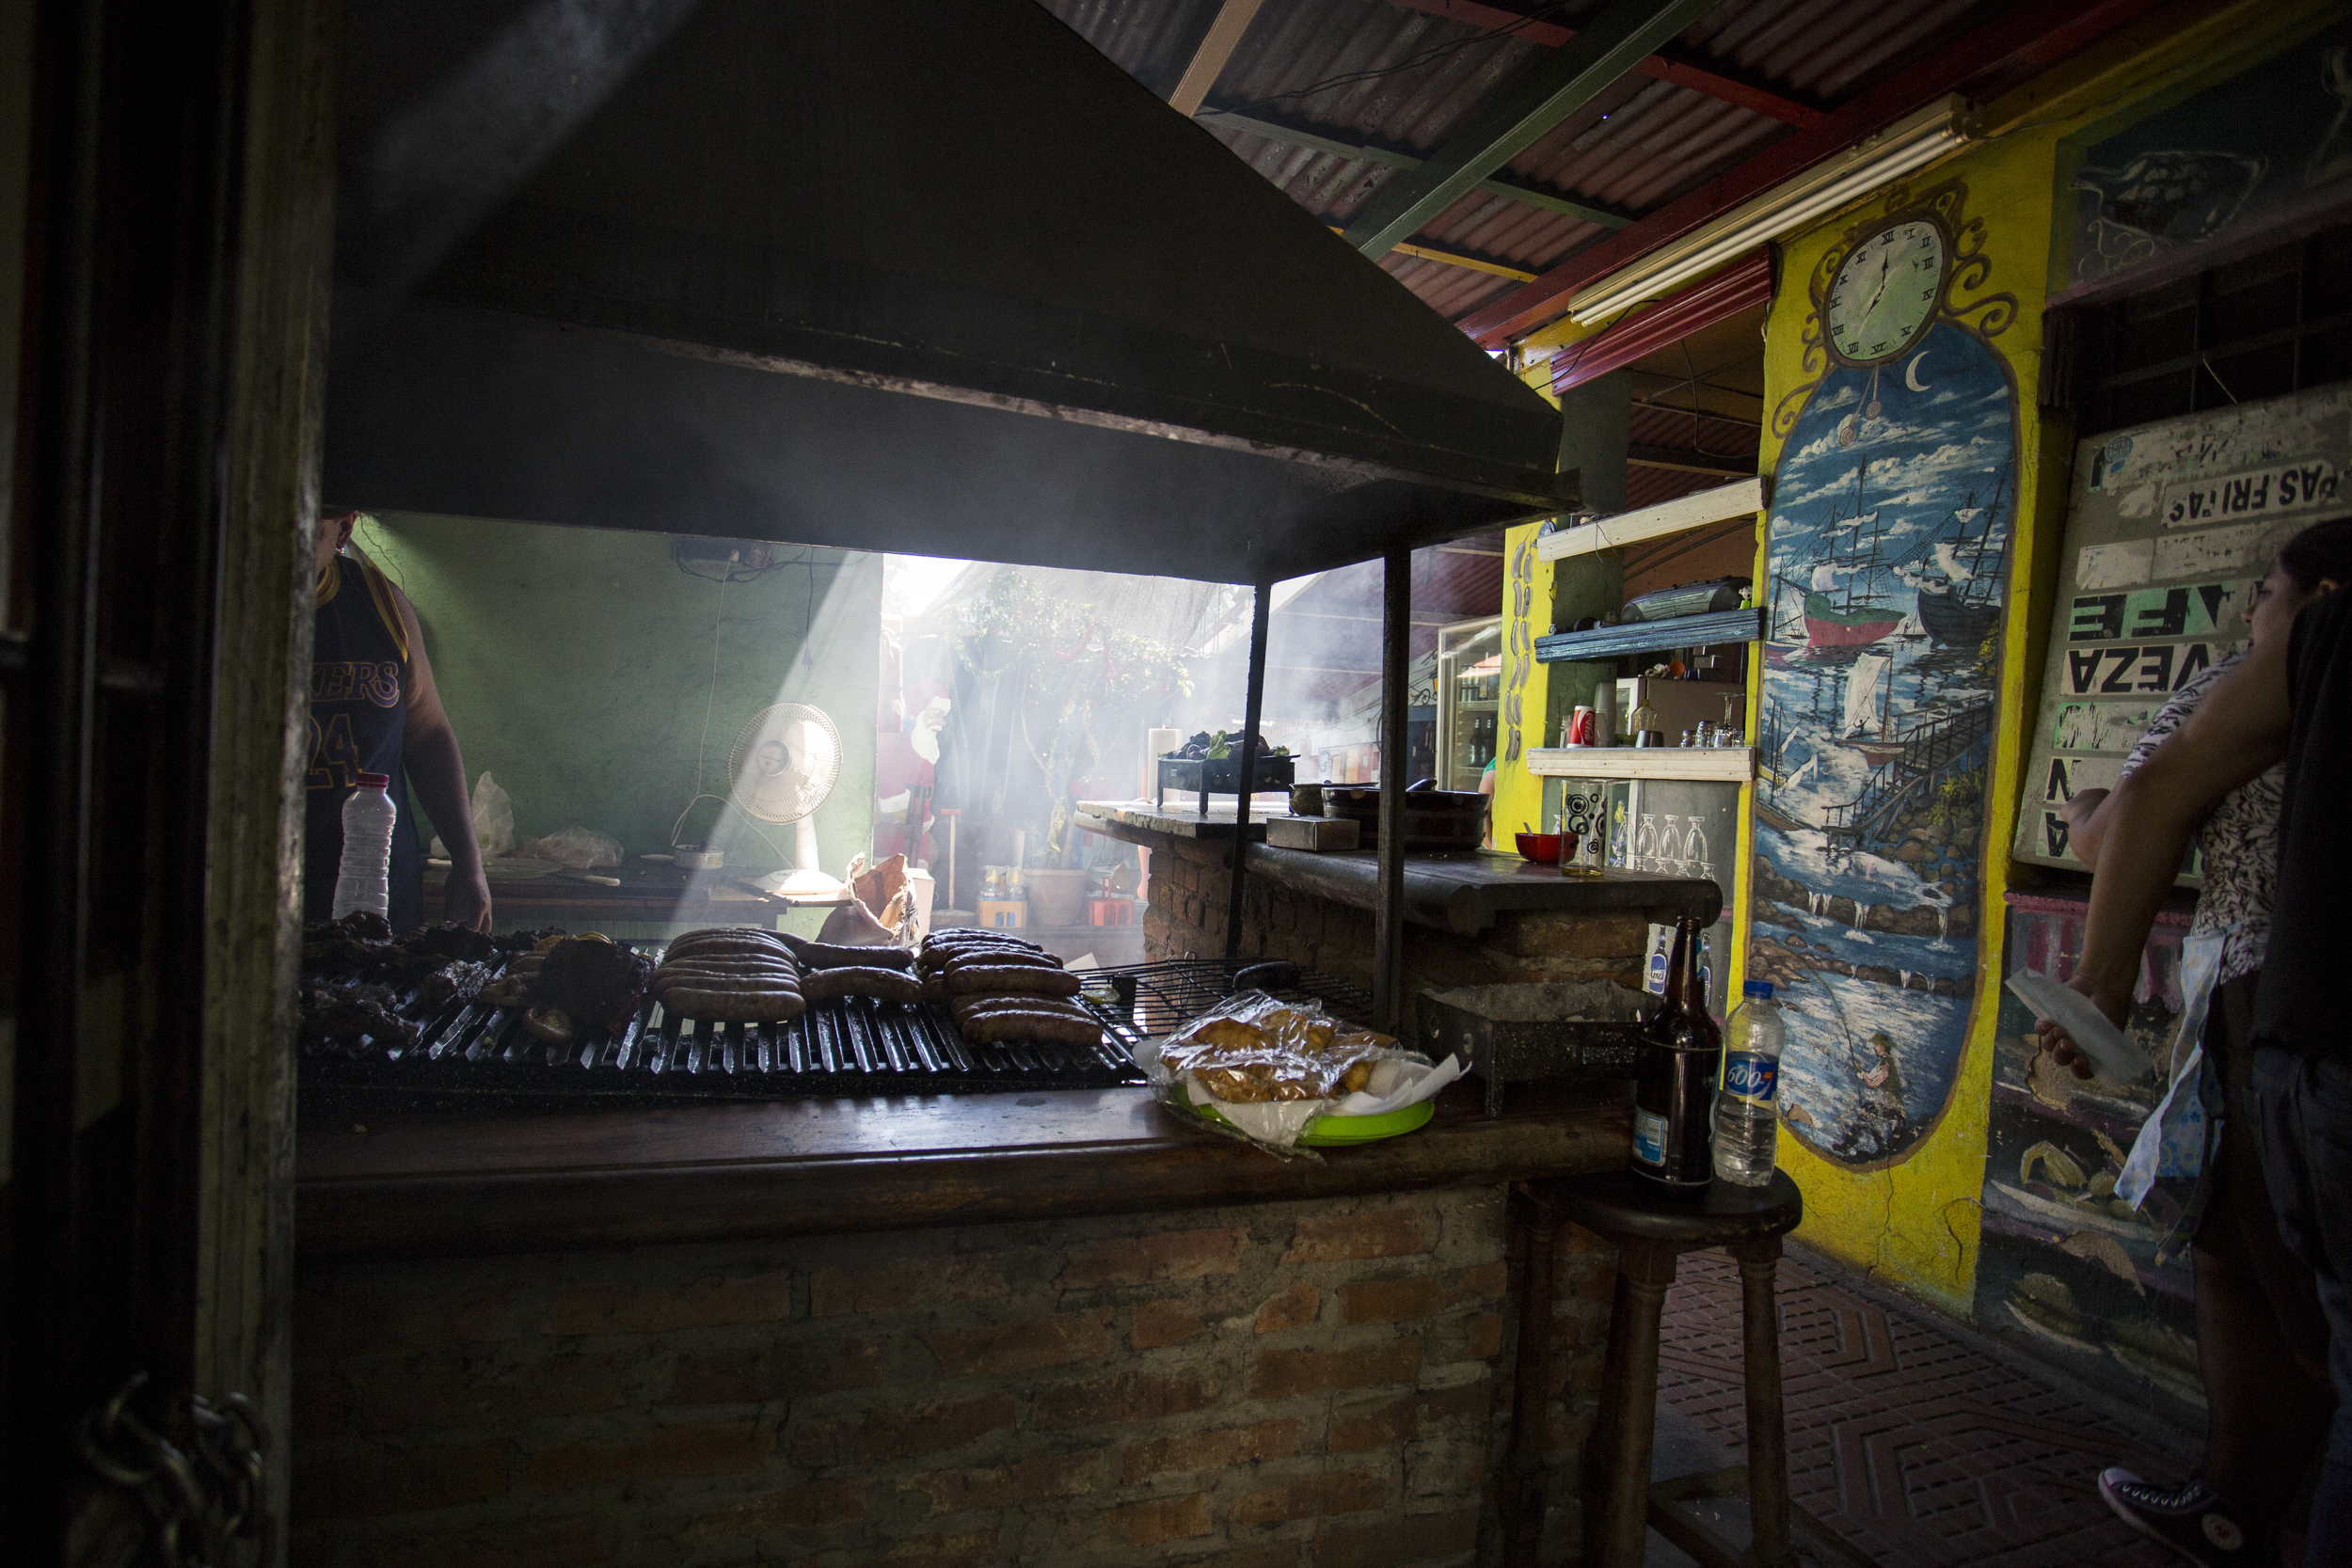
x=2261, y=1338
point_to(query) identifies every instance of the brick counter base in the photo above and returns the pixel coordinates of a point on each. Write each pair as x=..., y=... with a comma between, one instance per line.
x=1269, y=1387
x=1192, y=889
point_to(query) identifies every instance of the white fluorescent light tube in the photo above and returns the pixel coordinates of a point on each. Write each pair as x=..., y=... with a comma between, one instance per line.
x=1909, y=145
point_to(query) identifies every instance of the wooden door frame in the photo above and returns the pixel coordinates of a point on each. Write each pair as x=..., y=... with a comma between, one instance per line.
x=176, y=266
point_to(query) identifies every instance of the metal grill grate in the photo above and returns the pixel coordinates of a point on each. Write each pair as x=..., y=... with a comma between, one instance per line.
x=854, y=1047
x=473, y=1053
x=1155, y=998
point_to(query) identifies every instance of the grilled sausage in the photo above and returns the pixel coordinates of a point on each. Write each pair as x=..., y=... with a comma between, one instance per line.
x=970, y=1007
x=748, y=945
x=721, y=979
x=890, y=985
x=735, y=1007
x=772, y=958
x=725, y=986
x=1028, y=1024
x=1010, y=980
x=940, y=945
x=706, y=933
x=768, y=957
x=727, y=933
x=838, y=955
x=977, y=952
x=1001, y=955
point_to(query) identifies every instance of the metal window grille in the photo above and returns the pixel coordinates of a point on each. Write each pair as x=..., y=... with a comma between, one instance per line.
x=2262, y=325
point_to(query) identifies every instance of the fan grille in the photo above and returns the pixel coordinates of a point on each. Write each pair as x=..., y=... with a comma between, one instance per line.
x=785, y=760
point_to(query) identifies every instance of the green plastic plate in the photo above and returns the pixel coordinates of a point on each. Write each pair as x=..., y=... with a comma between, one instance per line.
x=1363, y=1130
x=1332, y=1132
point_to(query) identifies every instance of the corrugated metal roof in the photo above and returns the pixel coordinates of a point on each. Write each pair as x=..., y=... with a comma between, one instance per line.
x=1357, y=71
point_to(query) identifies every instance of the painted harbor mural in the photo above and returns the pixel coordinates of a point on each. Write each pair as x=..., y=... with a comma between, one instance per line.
x=1893, y=510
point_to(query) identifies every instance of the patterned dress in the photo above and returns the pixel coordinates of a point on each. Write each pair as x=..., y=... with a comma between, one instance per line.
x=2239, y=839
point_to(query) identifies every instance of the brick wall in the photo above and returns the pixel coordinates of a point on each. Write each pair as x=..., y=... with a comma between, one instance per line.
x=1266, y=1387
x=1192, y=890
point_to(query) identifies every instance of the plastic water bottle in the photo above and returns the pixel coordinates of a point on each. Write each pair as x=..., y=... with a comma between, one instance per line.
x=1747, y=1120
x=364, y=881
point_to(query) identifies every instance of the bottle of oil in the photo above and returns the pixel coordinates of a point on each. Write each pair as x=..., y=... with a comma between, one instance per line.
x=1674, y=1099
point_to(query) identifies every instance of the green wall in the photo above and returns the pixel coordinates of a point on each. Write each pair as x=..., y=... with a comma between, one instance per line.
x=576, y=662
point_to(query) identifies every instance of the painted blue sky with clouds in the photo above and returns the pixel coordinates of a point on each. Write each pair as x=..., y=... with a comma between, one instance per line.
x=1926, y=450
x=1945, y=445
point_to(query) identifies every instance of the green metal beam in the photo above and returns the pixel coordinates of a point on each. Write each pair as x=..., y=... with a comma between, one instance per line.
x=1375, y=153
x=1616, y=40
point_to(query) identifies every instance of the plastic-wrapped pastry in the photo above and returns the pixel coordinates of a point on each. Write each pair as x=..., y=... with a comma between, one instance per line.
x=1252, y=1048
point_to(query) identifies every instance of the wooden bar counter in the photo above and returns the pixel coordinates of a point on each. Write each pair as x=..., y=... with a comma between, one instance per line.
x=420, y=1185
x=1057, y=1328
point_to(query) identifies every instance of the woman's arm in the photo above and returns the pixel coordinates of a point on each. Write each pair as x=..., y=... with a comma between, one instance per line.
x=437, y=771
x=2237, y=732
x=2085, y=828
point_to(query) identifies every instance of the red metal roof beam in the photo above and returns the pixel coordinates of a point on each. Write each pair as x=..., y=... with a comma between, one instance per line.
x=2029, y=37
x=1666, y=65
x=1741, y=286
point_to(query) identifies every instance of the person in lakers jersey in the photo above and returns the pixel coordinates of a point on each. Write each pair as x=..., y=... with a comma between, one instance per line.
x=373, y=709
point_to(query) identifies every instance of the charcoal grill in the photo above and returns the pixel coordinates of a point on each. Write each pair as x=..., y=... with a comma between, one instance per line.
x=474, y=1053
x=1206, y=776
x=471, y=1053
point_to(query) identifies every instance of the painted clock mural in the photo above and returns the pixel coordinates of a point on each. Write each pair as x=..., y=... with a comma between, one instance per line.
x=1892, y=514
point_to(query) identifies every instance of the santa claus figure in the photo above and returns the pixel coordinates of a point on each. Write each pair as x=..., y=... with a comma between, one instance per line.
x=906, y=762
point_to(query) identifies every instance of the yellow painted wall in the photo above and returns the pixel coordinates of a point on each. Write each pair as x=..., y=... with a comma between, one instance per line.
x=1526, y=615
x=1914, y=1223
x=1526, y=610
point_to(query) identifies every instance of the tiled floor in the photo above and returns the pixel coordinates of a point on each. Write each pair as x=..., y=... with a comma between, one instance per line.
x=1917, y=1442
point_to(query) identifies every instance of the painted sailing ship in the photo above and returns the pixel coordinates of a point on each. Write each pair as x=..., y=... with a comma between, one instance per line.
x=1958, y=602
x=1867, y=724
x=1851, y=615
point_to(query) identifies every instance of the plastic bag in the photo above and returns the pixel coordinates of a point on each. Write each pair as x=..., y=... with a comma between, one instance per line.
x=1269, y=1068
x=581, y=848
x=493, y=817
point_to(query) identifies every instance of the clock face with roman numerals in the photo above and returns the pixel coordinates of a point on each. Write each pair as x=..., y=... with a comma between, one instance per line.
x=1883, y=297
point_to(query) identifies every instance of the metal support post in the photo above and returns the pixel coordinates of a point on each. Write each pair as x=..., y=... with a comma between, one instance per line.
x=1396, y=657
x=1252, y=710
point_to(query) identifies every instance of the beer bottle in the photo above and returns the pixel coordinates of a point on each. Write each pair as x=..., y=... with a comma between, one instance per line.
x=1674, y=1099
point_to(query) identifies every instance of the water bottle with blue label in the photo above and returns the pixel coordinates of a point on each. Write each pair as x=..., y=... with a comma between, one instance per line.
x=1746, y=1119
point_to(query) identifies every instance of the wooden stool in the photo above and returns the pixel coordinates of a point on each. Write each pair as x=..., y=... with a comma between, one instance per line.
x=1652, y=1230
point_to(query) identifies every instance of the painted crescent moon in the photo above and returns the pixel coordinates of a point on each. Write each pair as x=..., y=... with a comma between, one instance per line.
x=1911, y=373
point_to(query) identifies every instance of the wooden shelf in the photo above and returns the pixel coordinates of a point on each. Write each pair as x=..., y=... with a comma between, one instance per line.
x=1697, y=764
x=1742, y=498
x=1643, y=637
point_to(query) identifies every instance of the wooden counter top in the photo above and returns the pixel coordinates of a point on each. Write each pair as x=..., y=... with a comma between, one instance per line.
x=1462, y=892
x=416, y=1185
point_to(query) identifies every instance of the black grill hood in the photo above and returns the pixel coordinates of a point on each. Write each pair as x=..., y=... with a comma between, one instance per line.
x=654, y=264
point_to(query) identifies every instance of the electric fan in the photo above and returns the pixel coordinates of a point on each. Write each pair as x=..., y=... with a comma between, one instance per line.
x=785, y=760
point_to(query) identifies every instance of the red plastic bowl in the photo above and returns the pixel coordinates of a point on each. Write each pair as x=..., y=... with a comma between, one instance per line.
x=1543, y=848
